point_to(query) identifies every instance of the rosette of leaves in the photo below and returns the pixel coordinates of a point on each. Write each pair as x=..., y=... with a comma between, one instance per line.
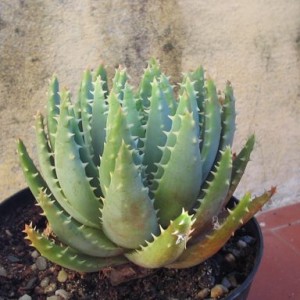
x=141, y=176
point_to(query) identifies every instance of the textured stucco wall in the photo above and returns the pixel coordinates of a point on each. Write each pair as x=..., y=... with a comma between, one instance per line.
x=255, y=44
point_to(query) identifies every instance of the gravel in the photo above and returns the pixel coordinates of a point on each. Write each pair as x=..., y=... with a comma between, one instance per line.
x=41, y=263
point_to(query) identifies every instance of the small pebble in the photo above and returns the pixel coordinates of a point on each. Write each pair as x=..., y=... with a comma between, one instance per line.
x=50, y=288
x=218, y=291
x=242, y=244
x=226, y=282
x=33, y=267
x=236, y=252
x=29, y=285
x=35, y=254
x=248, y=239
x=53, y=298
x=13, y=258
x=63, y=294
x=232, y=279
x=62, y=275
x=202, y=294
x=45, y=282
x=8, y=232
x=41, y=263
x=229, y=257
x=25, y=297
x=3, y=272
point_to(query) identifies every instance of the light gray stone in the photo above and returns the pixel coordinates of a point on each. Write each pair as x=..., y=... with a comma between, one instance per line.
x=3, y=271
x=25, y=297
x=63, y=294
x=41, y=263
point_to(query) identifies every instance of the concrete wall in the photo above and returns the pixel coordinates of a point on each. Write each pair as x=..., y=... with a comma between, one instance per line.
x=255, y=44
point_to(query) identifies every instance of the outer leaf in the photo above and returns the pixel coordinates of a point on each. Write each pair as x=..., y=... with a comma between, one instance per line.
x=128, y=215
x=211, y=243
x=87, y=240
x=53, y=109
x=239, y=165
x=214, y=193
x=68, y=257
x=212, y=128
x=166, y=247
x=228, y=118
x=71, y=170
x=257, y=203
x=49, y=174
x=32, y=176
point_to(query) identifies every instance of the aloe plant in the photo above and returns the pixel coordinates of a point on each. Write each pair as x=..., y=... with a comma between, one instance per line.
x=141, y=176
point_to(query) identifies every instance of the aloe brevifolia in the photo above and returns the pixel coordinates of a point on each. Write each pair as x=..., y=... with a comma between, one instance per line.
x=141, y=176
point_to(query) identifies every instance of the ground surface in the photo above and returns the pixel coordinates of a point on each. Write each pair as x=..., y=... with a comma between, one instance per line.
x=278, y=276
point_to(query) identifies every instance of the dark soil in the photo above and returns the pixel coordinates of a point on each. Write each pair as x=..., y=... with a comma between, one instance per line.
x=230, y=266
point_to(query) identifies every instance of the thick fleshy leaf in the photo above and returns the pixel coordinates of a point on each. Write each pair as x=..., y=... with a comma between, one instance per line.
x=228, y=115
x=117, y=131
x=212, y=128
x=212, y=197
x=197, y=77
x=189, y=89
x=132, y=114
x=101, y=72
x=49, y=174
x=53, y=109
x=86, y=98
x=166, y=247
x=98, y=121
x=75, y=127
x=158, y=123
x=171, y=190
x=257, y=203
x=168, y=91
x=239, y=165
x=145, y=88
x=85, y=239
x=68, y=257
x=70, y=169
x=128, y=216
x=213, y=241
x=32, y=175
x=216, y=239
x=119, y=82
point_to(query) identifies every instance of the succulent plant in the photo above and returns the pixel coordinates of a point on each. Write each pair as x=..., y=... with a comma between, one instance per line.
x=137, y=176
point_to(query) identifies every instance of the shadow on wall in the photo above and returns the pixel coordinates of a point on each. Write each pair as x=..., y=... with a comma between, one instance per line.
x=143, y=29
x=22, y=69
